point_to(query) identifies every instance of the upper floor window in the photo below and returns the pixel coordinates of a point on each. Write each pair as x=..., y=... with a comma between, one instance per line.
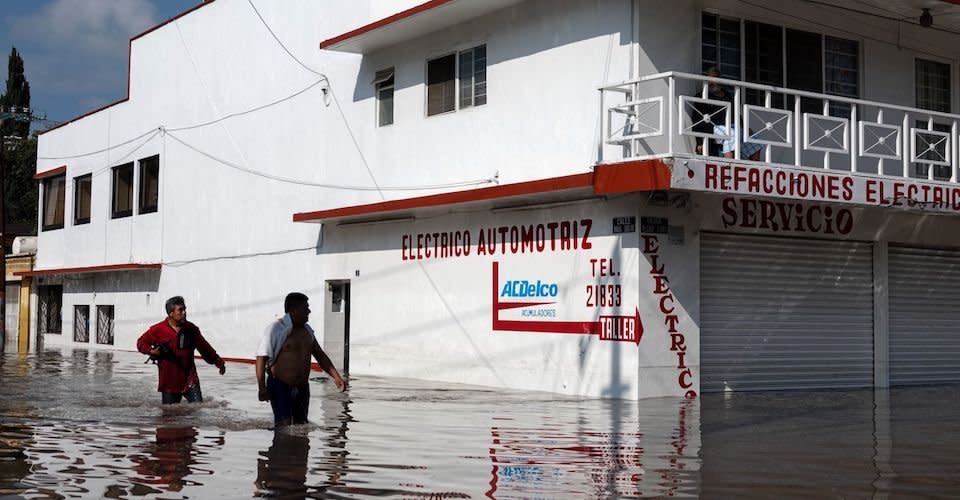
x=933, y=85
x=149, y=184
x=772, y=55
x=122, y=204
x=82, y=190
x=53, y=202
x=465, y=71
x=383, y=86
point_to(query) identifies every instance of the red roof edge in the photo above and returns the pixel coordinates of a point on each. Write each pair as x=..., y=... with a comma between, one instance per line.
x=89, y=269
x=62, y=169
x=412, y=11
x=480, y=194
x=129, y=50
x=623, y=177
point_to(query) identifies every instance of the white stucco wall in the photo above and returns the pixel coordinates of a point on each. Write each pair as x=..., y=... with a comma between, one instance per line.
x=217, y=81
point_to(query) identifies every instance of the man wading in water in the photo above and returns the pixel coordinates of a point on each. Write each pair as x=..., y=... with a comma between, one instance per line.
x=171, y=343
x=283, y=363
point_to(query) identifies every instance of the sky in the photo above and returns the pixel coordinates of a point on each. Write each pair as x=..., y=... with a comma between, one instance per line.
x=75, y=51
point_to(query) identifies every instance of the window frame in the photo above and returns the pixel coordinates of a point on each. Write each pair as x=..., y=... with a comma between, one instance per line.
x=106, y=311
x=115, y=213
x=47, y=183
x=142, y=206
x=784, y=55
x=916, y=83
x=77, y=200
x=457, y=56
x=85, y=330
x=381, y=84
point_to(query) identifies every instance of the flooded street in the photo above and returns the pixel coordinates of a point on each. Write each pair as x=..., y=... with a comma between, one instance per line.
x=89, y=424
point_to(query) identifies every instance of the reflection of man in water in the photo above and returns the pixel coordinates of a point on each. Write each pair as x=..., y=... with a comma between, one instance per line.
x=283, y=362
x=282, y=469
x=170, y=458
x=172, y=342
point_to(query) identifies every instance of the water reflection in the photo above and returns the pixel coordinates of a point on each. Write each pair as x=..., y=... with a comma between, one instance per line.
x=168, y=460
x=87, y=424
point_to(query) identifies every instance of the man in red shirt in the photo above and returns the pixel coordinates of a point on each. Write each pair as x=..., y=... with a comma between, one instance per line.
x=172, y=342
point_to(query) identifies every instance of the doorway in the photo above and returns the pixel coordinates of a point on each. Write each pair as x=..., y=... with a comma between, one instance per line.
x=336, y=324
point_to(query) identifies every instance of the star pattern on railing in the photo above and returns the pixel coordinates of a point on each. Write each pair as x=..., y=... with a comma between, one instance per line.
x=702, y=117
x=768, y=125
x=826, y=133
x=641, y=118
x=930, y=146
x=879, y=140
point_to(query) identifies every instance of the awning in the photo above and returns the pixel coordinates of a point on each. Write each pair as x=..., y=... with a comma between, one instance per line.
x=411, y=23
x=624, y=177
x=90, y=269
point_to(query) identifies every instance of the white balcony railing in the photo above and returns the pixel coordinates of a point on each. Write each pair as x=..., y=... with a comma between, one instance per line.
x=676, y=114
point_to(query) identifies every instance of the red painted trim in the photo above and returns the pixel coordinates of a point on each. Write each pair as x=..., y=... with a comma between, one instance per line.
x=382, y=22
x=624, y=177
x=481, y=194
x=129, y=52
x=89, y=269
x=62, y=169
x=631, y=176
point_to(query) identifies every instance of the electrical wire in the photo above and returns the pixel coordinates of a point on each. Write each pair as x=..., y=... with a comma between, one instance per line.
x=299, y=182
x=99, y=151
x=343, y=116
x=824, y=25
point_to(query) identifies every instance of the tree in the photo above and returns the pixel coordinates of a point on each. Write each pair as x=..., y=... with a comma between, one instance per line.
x=16, y=99
x=19, y=186
x=19, y=155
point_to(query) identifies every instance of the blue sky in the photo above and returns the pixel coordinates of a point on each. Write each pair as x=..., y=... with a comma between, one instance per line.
x=75, y=51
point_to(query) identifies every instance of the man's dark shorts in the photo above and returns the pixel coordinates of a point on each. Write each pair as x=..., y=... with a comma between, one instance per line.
x=289, y=403
x=193, y=395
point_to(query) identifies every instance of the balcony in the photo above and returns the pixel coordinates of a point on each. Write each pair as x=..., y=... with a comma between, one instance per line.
x=679, y=115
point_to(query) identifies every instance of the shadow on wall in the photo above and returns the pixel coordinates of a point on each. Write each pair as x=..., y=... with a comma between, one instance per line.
x=525, y=35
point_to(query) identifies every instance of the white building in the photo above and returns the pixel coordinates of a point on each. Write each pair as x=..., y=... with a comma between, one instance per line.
x=510, y=192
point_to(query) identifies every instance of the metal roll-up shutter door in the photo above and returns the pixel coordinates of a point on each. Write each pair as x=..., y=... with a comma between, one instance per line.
x=785, y=313
x=924, y=315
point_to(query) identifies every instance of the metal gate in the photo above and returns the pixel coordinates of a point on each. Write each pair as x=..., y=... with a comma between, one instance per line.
x=81, y=323
x=50, y=298
x=924, y=315
x=105, y=324
x=785, y=313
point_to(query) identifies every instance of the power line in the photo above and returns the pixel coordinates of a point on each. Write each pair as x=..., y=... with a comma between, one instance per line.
x=99, y=151
x=299, y=182
x=343, y=116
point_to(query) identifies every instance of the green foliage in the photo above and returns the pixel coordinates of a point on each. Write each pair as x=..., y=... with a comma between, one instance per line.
x=20, y=160
x=19, y=154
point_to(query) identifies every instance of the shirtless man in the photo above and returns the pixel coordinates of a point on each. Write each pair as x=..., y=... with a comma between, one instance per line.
x=283, y=363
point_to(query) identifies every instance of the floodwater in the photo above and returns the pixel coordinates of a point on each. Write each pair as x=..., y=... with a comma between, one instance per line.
x=88, y=424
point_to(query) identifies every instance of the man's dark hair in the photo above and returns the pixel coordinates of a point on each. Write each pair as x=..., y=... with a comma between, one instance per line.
x=173, y=302
x=294, y=299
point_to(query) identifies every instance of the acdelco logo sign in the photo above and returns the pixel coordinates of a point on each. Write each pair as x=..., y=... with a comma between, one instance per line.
x=524, y=288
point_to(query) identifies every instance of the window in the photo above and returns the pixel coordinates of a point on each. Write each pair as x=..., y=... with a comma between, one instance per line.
x=933, y=85
x=122, y=191
x=81, y=323
x=53, y=202
x=383, y=85
x=82, y=189
x=443, y=81
x=473, y=77
x=841, y=60
x=781, y=57
x=149, y=184
x=441, y=85
x=720, y=45
x=105, y=325
x=50, y=297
